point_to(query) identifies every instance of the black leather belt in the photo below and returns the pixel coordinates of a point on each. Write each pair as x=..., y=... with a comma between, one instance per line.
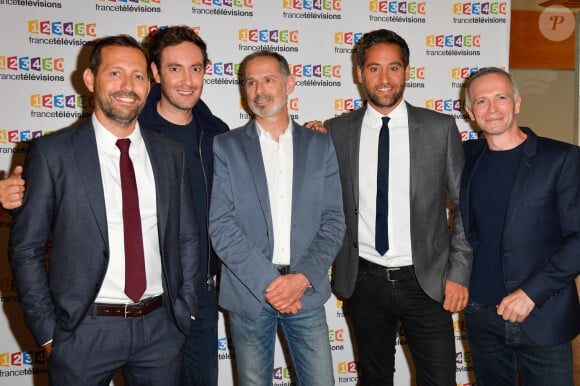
x=131, y=310
x=392, y=274
x=283, y=269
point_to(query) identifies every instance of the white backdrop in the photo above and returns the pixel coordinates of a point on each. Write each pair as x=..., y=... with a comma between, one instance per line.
x=41, y=91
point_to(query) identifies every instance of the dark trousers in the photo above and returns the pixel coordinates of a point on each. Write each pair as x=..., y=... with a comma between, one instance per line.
x=376, y=306
x=200, y=359
x=502, y=352
x=148, y=349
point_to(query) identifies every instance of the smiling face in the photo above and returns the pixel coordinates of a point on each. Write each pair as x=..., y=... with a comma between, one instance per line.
x=120, y=87
x=266, y=88
x=181, y=77
x=494, y=105
x=383, y=76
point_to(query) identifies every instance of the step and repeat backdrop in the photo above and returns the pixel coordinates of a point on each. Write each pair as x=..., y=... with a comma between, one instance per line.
x=44, y=51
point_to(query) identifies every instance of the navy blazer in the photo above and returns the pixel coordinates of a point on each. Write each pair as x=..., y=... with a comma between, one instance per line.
x=64, y=200
x=240, y=221
x=540, y=248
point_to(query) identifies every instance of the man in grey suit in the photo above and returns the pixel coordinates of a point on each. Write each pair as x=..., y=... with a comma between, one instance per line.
x=276, y=222
x=398, y=261
x=119, y=291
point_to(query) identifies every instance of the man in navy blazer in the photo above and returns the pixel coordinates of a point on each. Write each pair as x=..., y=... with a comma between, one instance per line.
x=521, y=211
x=79, y=309
x=276, y=222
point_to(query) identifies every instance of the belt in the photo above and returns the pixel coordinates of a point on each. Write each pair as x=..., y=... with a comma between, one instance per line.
x=392, y=274
x=283, y=269
x=131, y=310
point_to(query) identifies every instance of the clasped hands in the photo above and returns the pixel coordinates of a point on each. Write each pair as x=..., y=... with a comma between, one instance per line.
x=284, y=292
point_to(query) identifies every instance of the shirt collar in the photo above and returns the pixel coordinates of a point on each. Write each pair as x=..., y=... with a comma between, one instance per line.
x=397, y=116
x=107, y=141
x=263, y=134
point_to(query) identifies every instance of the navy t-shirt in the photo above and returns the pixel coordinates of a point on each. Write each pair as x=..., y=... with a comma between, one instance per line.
x=491, y=187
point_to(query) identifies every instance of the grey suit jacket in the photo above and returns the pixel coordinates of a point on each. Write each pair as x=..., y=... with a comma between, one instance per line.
x=241, y=222
x=436, y=164
x=64, y=200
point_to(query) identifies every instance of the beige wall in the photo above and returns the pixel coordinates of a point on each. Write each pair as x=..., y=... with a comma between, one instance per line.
x=547, y=102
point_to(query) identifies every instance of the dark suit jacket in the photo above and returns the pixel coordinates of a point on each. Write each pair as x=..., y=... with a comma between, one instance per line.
x=241, y=222
x=540, y=248
x=436, y=163
x=64, y=200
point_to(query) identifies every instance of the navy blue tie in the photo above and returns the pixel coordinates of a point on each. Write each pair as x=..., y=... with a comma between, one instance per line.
x=382, y=225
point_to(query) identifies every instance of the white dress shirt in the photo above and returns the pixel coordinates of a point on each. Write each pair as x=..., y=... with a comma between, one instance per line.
x=399, y=219
x=113, y=287
x=278, y=160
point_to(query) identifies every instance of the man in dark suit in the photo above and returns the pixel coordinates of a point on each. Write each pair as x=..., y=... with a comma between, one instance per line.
x=119, y=291
x=521, y=209
x=276, y=222
x=398, y=261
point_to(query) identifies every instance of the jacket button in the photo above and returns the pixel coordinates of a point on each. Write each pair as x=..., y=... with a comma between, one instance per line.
x=355, y=244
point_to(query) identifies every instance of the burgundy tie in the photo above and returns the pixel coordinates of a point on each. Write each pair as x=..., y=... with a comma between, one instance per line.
x=135, y=281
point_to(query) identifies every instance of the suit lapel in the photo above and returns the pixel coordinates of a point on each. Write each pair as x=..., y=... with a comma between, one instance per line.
x=525, y=167
x=354, y=129
x=415, y=149
x=158, y=158
x=86, y=154
x=251, y=144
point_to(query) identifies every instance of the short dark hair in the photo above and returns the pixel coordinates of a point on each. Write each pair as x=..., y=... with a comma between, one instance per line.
x=282, y=62
x=116, y=41
x=380, y=36
x=166, y=37
x=487, y=71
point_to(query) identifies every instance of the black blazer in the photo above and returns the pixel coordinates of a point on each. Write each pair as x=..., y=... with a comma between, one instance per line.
x=540, y=248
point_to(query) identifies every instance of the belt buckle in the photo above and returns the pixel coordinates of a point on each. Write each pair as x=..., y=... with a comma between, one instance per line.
x=127, y=306
x=388, y=271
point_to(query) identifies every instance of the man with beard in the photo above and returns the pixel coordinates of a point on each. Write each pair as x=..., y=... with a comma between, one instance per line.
x=276, y=222
x=119, y=292
x=398, y=262
x=174, y=109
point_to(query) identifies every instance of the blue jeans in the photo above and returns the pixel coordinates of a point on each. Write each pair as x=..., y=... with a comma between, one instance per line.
x=501, y=350
x=306, y=335
x=200, y=356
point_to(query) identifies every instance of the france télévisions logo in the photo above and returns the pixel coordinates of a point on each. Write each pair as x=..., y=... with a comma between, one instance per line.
x=28, y=63
x=23, y=358
x=478, y=8
x=35, y=68
x=444, y=105
x=460, y=74
x=312, y=10
x=313, y=5
x=18, y=136
x=416, y=77
x=60, y=105
x=317, y=74
x=347, y=38
x=142, y=6
x=345, y=105
x=453, y=41
x=398, y=7
x=255, y=35
x=225, y=3
x=221, y=68
x=284, y=40
x=345, y=41
x=347, y=372
x=223, y=7
x=59, y=28
x=281, y=373
x=453, y=45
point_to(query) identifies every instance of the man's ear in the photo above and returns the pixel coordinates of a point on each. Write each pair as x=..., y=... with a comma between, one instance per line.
x=89, y=79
